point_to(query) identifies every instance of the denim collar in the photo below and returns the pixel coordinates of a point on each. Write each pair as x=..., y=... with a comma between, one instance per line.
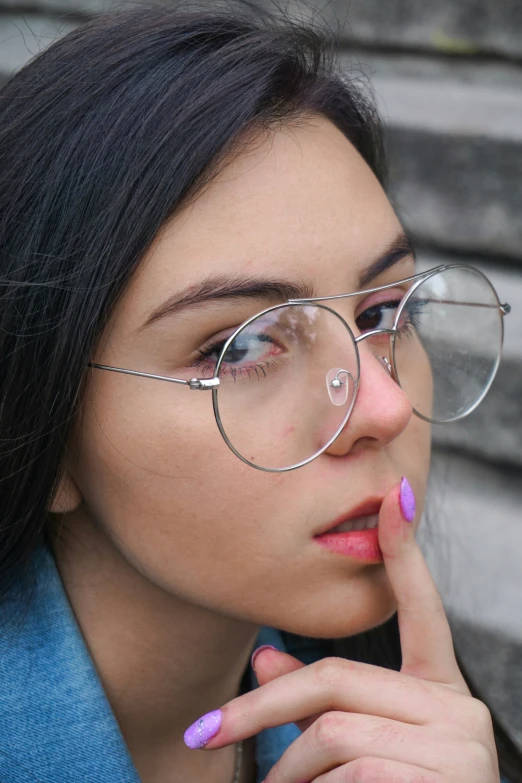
x=56, y=724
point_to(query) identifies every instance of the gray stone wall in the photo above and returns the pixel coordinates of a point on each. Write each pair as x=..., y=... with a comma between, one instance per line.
x=448, y=79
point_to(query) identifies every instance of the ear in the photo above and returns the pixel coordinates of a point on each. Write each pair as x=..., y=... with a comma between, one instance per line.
x=67, y=497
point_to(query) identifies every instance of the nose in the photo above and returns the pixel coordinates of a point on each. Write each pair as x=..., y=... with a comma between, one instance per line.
x=381, y=411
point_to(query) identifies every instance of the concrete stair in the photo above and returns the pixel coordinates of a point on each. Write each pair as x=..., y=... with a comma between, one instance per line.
x=23, y=37
x=471, y=534
x=454, y=137
x=467, y=27
x=455, y=147
x=493, y=660
x=470, y=27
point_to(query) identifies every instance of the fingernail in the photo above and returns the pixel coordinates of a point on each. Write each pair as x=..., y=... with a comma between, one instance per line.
x=256, y=653
x=407, y=500
x=203, y=729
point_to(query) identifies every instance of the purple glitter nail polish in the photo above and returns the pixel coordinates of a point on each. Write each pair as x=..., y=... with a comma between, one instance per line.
x=407, y=500
x=203, y=729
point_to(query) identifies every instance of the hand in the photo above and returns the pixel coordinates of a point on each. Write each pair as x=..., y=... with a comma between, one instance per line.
x=365, y=724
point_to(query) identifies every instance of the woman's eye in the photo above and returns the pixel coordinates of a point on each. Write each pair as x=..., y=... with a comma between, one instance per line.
x=380, y=316
x=249, y=349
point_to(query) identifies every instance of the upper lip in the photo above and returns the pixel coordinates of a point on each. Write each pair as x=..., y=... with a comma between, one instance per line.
x=367, y=508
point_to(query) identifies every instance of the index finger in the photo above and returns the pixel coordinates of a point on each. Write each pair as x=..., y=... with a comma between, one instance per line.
x=426, y=642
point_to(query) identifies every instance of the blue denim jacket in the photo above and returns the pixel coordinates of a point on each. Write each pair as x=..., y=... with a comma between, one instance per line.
x=56, y=724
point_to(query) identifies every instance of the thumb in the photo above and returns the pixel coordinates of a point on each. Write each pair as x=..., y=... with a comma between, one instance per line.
x=269, y=663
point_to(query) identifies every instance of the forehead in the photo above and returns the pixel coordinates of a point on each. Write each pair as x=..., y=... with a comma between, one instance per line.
x=299, y=202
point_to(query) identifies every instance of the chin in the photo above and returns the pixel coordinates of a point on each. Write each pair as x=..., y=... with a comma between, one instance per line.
x=338, y=621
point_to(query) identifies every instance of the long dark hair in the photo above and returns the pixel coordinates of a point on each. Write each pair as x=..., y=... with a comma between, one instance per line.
x=103, y=137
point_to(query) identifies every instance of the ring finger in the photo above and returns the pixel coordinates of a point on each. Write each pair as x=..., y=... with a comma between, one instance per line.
x=337, y=738
x=375, y=770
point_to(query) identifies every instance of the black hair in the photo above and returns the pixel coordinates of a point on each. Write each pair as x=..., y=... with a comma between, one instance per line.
x=103, y=138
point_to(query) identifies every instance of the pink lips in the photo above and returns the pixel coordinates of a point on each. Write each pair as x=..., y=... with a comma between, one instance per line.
x=365, y=509
x=360, y=545
x=357, y=544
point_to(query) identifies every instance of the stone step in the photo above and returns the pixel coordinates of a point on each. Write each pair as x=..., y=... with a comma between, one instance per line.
x=23, y=37
x=471, y=534
x=455, y=149
x=492, y=27
x=81, y=8
x=469, y=27
x=454, y=138
x=493, y=431
x=492, y=660
x=466, y=27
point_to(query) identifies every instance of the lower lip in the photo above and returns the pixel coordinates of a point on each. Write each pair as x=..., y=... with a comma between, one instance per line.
x=357, y=544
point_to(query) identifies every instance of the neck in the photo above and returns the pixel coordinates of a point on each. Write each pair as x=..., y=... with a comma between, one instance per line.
x=162, y=660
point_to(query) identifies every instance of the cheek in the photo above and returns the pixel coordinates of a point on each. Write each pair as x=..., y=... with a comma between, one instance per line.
x=160, y=482
x=158, y=478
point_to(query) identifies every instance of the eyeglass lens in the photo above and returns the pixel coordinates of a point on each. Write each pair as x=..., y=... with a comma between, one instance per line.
x=447, y=357
x=288, y=384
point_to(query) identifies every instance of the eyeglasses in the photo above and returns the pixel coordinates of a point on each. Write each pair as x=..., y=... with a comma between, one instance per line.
x=285, y=382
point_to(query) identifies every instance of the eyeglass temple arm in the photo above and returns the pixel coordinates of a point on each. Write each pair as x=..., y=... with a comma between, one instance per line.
x=196, y=384
x=504, y=307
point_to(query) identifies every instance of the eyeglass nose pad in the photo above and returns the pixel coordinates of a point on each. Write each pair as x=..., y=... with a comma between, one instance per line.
x=338, y=385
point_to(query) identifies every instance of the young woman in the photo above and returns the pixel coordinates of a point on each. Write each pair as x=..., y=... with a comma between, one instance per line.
x=215, y=351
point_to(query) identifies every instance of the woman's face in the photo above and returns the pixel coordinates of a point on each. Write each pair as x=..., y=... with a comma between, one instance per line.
x=156, y=476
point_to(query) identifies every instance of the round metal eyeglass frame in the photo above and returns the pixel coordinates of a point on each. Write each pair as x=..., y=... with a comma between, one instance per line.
x=198, y=384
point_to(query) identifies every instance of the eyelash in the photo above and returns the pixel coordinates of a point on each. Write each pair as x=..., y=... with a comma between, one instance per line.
x=255, y=369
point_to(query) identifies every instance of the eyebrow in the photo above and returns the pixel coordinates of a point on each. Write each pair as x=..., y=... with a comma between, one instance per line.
x=223, y=287
x=400, y=248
